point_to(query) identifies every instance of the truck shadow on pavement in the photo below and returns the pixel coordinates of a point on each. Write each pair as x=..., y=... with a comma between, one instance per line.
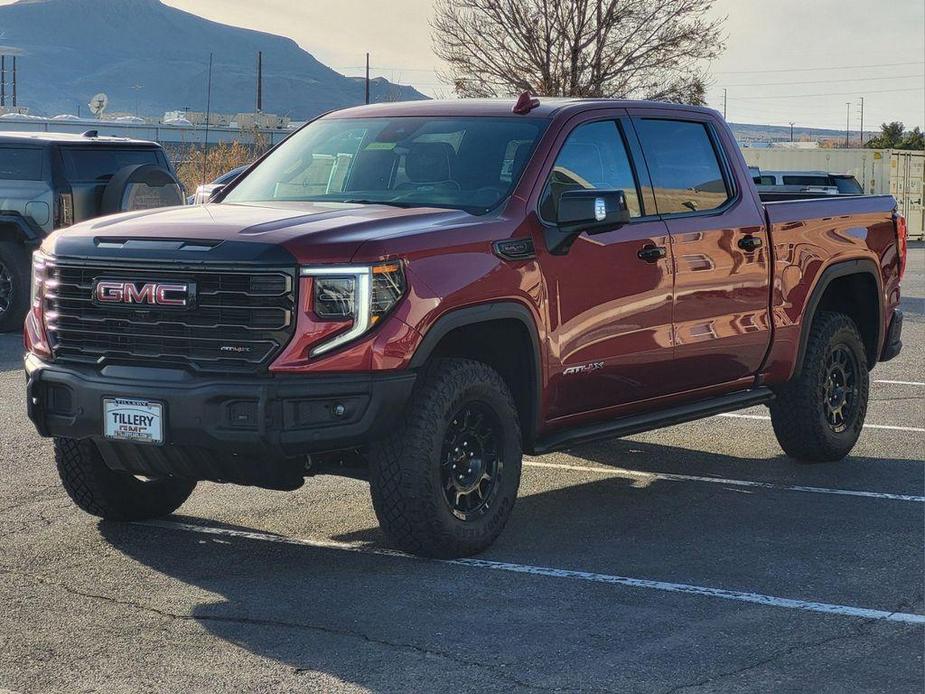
x=11, y=351
x=383, y=622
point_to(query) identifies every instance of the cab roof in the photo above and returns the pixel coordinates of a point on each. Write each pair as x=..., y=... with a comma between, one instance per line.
x=23, y=138
x=548, y=107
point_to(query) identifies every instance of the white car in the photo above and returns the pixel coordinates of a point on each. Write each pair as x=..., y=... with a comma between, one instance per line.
x=205, y=191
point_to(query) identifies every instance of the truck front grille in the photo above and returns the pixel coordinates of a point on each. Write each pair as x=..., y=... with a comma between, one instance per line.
x=237, y=320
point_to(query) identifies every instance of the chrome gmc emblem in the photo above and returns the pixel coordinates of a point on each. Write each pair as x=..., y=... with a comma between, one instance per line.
x=168, y=294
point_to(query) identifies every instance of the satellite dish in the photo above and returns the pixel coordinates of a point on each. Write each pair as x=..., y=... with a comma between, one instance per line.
x=98, y=104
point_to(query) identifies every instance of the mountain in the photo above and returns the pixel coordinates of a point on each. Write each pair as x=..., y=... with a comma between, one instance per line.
x=68, y=50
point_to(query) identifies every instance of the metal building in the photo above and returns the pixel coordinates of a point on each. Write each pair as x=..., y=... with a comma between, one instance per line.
x=900, y=173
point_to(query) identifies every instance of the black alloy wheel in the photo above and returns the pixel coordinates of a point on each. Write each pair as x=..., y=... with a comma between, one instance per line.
x=840, y=388
x=472, y=461
x=6, y=288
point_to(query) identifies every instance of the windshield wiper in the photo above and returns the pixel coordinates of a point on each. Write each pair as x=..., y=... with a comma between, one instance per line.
x=364, y=201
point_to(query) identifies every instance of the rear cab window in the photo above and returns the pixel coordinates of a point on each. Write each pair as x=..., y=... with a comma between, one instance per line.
x=804, y=180
x=21, y=163
x=684, y=165
x=99, y=164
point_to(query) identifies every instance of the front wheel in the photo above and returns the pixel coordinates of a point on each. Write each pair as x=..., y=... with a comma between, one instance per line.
x=818, y=416
x=114, y=495
x=444, y=483
x=15, y=267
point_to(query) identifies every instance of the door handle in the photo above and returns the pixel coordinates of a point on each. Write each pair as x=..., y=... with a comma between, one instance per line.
x=749, y=243
x=651, y=253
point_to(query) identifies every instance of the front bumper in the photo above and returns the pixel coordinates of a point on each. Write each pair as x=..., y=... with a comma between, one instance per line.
x=254, y=417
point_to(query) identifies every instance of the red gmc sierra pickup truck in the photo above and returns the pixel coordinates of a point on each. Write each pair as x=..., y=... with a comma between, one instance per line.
x=417, y=294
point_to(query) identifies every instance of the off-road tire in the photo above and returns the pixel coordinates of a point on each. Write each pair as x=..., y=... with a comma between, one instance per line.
x=114, y=495
x=798, y=411
x=16, y=262
x=405, y=468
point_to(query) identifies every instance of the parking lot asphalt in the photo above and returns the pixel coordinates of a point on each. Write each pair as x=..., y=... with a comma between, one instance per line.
x=693, y=559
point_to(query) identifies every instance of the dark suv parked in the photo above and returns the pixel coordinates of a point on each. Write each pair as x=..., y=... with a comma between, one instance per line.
x=53, y=180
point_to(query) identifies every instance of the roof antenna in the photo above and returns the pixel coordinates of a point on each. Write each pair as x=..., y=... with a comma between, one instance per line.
x=526, y=102
x=91, y=133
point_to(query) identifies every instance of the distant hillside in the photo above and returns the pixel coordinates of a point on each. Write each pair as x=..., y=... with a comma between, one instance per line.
x=71, y=49
x=749, y=132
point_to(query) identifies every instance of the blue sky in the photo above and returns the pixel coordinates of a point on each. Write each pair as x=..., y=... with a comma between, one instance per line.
x=798, y=60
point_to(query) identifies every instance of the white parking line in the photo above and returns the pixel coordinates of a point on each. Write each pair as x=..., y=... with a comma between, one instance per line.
x=902, y=383
x=866, y=426
x=653, y=476
x=664, y=586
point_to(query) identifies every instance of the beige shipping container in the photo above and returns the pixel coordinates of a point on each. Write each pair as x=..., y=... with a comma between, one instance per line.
x=900, y=173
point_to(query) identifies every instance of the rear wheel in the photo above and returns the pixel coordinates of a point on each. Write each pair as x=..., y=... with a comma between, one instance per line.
x=114, y=495
x=444, y=484
x=15, y=269
x=818, y=416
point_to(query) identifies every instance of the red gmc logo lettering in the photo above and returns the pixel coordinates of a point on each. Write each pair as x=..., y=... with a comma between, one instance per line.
x=155, y=293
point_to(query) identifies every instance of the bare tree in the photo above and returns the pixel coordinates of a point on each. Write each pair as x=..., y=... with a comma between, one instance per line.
x=588, y=48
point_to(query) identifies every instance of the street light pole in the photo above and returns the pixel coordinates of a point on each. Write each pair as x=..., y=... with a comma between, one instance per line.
x=847, y=123
x=367, y=78
x=862, y=121
x=791, y=131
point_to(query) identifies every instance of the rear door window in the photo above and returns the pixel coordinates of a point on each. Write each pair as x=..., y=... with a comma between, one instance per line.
x=87, y=164
x=21, y=163
x=684, y=166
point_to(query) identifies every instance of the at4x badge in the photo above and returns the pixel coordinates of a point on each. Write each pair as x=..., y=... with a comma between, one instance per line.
x=584, y=368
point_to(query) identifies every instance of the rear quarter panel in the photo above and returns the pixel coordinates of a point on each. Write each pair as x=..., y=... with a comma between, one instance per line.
x=810, y=236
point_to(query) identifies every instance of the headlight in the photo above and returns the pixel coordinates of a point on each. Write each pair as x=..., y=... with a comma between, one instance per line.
x=362, y=294
x=39, y=275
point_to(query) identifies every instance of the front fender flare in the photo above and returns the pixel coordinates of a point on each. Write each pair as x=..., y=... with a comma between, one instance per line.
x=484, y=313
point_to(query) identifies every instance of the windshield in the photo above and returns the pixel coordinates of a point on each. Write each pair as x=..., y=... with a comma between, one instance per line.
x=462, y=163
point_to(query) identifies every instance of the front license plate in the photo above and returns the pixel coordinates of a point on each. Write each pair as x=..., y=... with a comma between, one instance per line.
x=140, y=421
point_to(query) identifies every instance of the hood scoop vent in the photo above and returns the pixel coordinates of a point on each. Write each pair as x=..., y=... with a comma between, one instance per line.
x=156, y=244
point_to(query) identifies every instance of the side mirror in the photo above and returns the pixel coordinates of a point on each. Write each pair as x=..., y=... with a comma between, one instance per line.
x=219, y=187
x=592, y=211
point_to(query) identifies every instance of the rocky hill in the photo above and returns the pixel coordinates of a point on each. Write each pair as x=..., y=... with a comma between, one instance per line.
x=71, y=49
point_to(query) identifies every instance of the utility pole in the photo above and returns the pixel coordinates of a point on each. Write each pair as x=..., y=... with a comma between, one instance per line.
x=205, y=143
x=862, y=121
x=724, y=104
x=14, y=81
x=791, y=131
x=367, y=78
x=259, y=83
x=847, y=123
x=135, y=88
x=2, y=81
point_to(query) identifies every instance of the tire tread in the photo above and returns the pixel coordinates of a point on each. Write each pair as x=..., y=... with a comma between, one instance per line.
x=408, y=512
x=795, y=411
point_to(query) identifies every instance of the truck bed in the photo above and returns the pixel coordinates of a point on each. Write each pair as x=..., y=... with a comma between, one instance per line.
x=807, y=236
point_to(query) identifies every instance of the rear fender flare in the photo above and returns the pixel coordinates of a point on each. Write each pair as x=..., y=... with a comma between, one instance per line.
x=23, y=230
x=860, y=266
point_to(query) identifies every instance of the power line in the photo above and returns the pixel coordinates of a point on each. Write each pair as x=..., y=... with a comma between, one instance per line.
x=847, y=79
x=813, y=69
x=804, y=96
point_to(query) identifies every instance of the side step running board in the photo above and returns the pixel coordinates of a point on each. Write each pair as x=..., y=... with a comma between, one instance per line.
x=636, y=424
